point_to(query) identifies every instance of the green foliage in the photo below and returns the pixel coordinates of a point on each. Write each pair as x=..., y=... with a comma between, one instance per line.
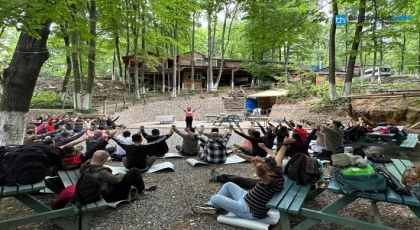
x=46, y=100
x=265, y=85
x=326, y=104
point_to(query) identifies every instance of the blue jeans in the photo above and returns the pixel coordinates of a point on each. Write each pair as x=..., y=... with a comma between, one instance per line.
x=236, y=204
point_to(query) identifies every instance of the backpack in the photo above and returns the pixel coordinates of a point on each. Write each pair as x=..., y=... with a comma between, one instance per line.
x=302, y=169
x=354, y=133
x=23, y=165
x=89, y=188
x=374, y=182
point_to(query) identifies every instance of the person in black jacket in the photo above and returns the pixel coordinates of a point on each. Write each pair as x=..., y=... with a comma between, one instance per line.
x=158, y=150
x=299, y=146
x=254, y=138
x=137, y=154
x=269, y=135
x=65, y=138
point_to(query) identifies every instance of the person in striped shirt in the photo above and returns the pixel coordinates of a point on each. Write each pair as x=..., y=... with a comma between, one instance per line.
x=249, y=205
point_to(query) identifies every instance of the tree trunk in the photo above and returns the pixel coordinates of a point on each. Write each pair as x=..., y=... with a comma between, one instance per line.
x=66, y=79
x=279, y=53
x=210, y=51
x=347, y=46
x=192, y=53
x=77, y=97
x=175, y=60
x=219, y=75
x=136, y=64
x=331, y=74
x=225, y=45
x=19, y=80
x=403, y=52
x=87, y=98
x=354, y=48
x=418, y=63
x=286, y=62
x=117, y=49
x=163, y=77
x=375, y=44
x=143, y=52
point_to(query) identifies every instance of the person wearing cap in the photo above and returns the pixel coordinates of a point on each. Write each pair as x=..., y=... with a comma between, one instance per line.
x=333, y=136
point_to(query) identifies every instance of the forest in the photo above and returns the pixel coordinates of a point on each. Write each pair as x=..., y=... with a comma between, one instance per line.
x=80, y=40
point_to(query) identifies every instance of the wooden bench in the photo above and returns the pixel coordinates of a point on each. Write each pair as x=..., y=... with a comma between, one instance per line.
x=329, y=213
x=22, y=193
x=69, y=176
x=166, y=118
x=290, y=200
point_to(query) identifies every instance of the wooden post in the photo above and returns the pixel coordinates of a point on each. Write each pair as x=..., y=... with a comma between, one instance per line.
x=154, y=83
x=116, y=105
x=232, y=79
x=104, y=109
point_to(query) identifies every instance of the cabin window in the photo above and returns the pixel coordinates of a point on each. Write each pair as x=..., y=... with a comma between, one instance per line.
x=197, y=76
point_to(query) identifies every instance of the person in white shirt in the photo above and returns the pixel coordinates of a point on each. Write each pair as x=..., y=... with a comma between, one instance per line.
x=125, y=138
x=87, y=124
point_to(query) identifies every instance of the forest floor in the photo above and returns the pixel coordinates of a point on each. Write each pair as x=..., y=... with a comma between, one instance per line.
x=169, y=206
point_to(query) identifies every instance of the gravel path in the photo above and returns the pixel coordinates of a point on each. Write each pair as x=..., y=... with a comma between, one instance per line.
x=169, y=206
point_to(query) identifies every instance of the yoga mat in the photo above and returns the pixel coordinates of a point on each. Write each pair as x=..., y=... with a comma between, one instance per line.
x=259, y=224
x=172, y=155
x=155, y=168
x=131, y=196
x=233, y=159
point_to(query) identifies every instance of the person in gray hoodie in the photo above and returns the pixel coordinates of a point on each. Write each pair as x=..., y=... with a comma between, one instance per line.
x=119, y=185
x=190, y=145
x=333, y=136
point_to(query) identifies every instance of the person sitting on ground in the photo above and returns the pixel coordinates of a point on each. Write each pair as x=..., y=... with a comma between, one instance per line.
x=157, y=150
x=117, y=186
x=269, y=135
x=92, y=142
x=31, y=136
x=125, y=138
x=247, y=145
x=99, y=145
x=87, y=124
x=296, y=145
x=320, y=141
x=254, y=138
x=215, y=147
x=65, y=138
x=333, y=136
x=71, y=125
x=137, y=155
x=281, y=134
x=299, y=129
x=111, y=122
x=72, y=155
x=249, y=205
x=189, y=145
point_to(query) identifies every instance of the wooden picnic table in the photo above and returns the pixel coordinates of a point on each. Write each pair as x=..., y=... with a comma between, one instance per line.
x=291, y=199
x=391, y=139
x=232, y=118
x=264, y=119
x=44, y=213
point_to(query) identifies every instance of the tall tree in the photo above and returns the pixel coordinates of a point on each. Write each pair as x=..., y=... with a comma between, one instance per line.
x=228, y=13
x=331, y=74
x=19, y=80
x=193, y=51
x=66, y=79
x=354, y=48
x=87, y=99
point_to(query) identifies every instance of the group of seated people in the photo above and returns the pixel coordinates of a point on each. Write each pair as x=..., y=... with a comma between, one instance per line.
x=138, y=157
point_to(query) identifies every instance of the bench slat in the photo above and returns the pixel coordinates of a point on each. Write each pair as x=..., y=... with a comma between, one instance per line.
x=299, y=199
x=288, y=199
x=399, y=165
x=391, y=195
x=406, y=162
x=274, y=202
x=11, y=190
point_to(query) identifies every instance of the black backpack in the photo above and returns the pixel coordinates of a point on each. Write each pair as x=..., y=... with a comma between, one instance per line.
x=23, y=165
x=89, y=188
x=354, y=133
x=302, y=169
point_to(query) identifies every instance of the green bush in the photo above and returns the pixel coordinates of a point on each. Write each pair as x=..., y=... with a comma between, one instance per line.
x=265, y=85
x=47, y=100
x=326, y=104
